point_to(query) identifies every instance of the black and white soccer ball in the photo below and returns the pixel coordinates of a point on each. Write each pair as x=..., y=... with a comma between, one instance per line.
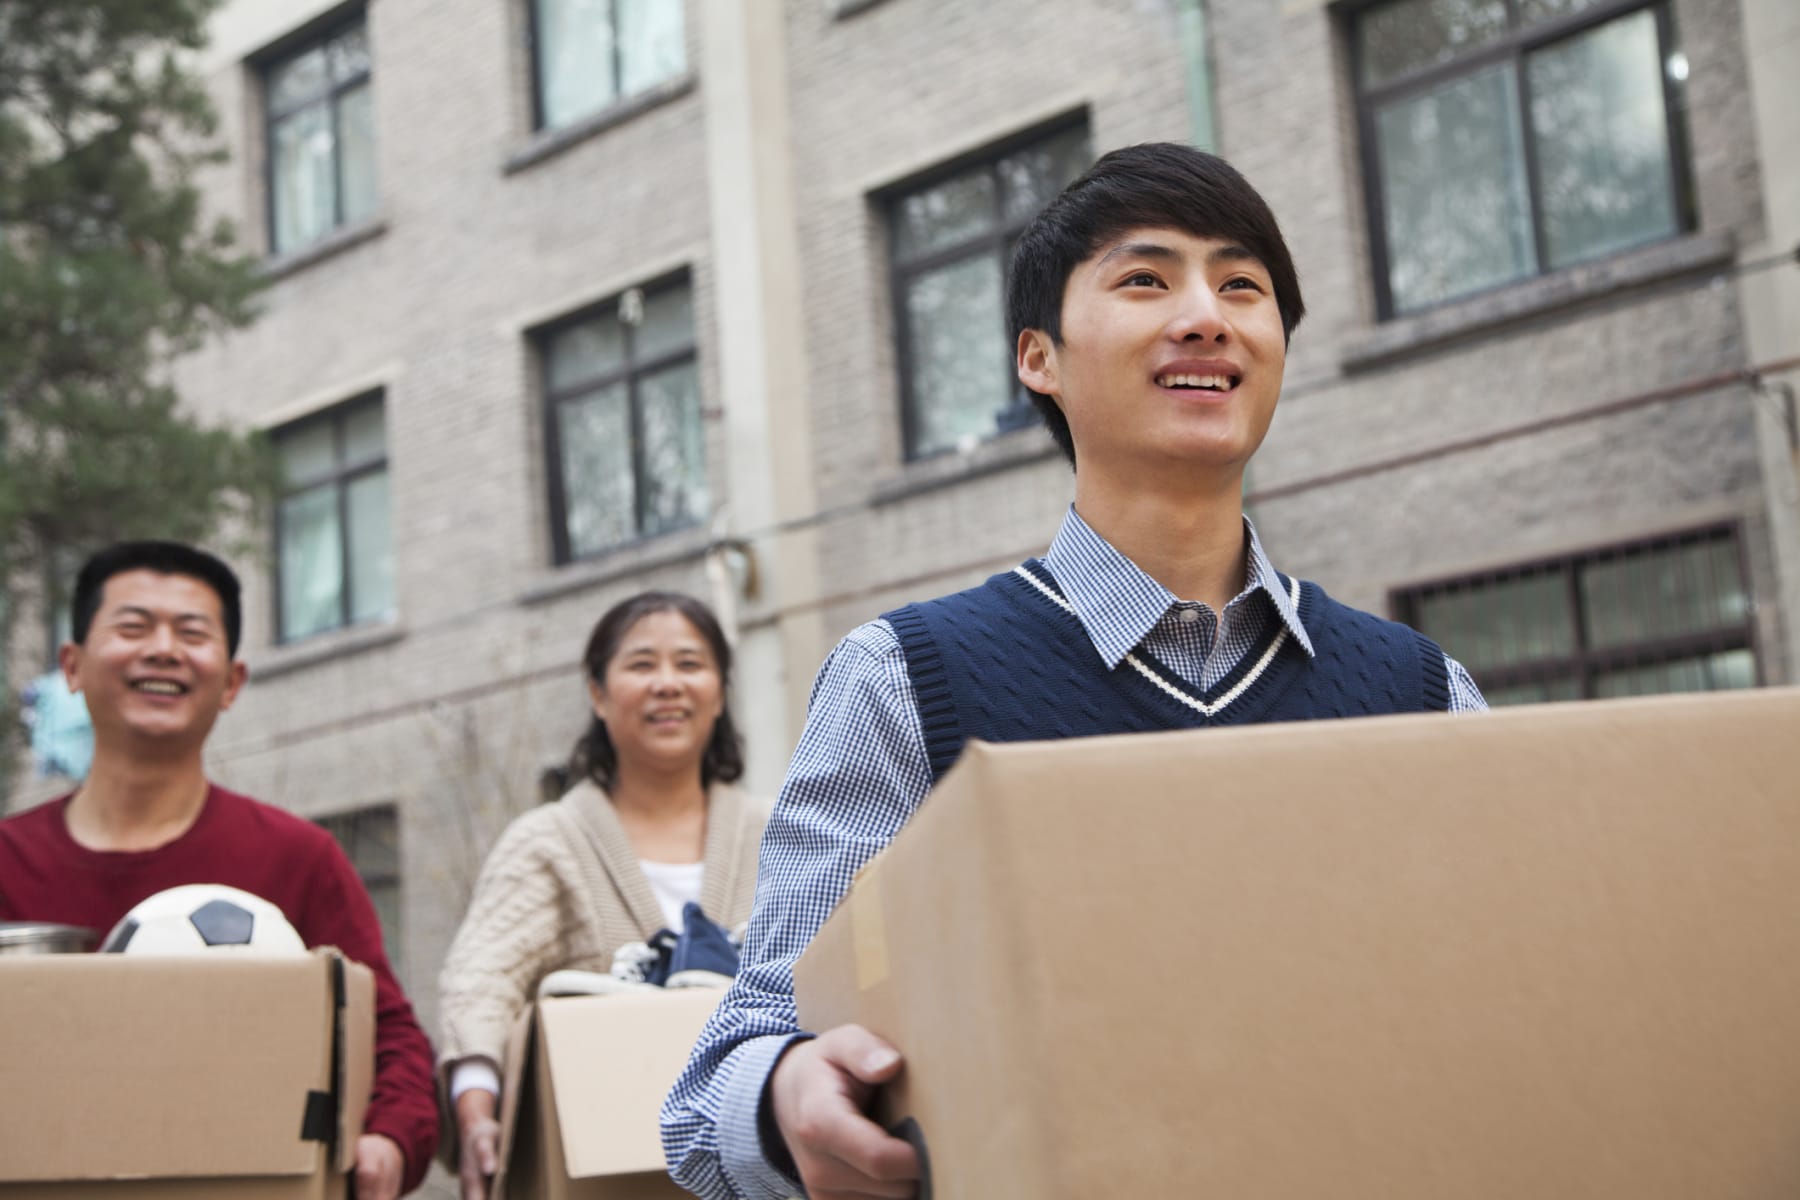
x=203, y=918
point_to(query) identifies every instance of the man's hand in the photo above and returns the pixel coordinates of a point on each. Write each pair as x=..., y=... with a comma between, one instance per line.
x=478, y=1142
x=379, y=1168
x=817, y=1093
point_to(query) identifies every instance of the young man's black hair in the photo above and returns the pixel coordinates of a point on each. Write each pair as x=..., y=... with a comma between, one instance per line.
x=1154, y=185
x=165, y=558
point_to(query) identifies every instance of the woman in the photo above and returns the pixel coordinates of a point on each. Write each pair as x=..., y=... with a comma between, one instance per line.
x=652, y=824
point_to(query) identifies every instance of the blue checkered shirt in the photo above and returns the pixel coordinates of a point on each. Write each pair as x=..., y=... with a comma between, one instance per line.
x=857, y=775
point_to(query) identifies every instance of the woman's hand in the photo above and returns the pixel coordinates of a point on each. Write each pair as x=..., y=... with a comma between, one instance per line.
x=478, y=1139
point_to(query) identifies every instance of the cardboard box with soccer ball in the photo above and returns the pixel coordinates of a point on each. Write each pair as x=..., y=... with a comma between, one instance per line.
x=216, y=1076
x=585, y=1081
x=1550, y=951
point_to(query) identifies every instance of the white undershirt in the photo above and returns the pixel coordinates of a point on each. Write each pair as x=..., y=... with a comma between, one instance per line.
x=673, y=884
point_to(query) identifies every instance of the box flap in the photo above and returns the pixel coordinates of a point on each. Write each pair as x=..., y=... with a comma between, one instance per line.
x=612, y=1060
x=192, y=1067
x=355, y=1058
x=515, y=1097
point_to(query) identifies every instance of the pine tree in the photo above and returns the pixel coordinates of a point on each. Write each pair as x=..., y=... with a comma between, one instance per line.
x=108, y=271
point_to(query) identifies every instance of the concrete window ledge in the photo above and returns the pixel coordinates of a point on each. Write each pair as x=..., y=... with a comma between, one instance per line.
x=324, y=647
x=839, y=9
x=547, y=143
x=1018, y=448
x=1533, y=297
x=329, y=246
x=633, y=558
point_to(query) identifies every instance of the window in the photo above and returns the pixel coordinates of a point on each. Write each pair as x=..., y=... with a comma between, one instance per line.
x=370, y=838
x=951, y=237
x=1506, y=138
x=1667, y=615
x=321, y=130
x=622, y=400
x=334, y=551
x=589, y=54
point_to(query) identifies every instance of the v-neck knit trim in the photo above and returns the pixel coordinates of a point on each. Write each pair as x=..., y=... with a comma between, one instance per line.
x=1208, y=704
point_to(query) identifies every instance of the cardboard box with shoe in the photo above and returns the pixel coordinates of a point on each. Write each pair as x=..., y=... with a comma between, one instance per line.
x=149, y=1078
x=585, y=1080
x=1550, y=951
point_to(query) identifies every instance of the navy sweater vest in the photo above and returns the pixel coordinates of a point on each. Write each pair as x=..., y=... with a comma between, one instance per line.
x=1008, y=661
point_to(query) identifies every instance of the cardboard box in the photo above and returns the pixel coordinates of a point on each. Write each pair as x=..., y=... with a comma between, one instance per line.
x=218, y=1076
x=1548, y=952
x=585, y=1081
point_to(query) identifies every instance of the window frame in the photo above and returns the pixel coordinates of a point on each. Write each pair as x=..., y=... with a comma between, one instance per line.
x=310, y=37
x=630, y=374
x=1585, y=662
x=535, y=41
x=351, y=821
x=1514, y=47
x=340, y=479
x=999, y=240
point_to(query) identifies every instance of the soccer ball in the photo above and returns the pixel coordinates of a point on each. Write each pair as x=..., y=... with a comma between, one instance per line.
x=202, y=918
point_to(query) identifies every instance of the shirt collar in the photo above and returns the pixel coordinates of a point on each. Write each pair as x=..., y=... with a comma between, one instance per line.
x=1118, y=604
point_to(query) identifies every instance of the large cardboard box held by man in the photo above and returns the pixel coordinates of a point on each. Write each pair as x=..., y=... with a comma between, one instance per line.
x=1549, y=952
x=585, y=1079
x=223, y=1075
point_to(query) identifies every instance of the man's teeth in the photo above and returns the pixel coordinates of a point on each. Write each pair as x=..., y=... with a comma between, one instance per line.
x=1216, y=383
x=160, y=687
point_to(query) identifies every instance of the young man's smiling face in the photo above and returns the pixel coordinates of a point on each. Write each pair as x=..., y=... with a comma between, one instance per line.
x=1171, y=356
x=154, y=664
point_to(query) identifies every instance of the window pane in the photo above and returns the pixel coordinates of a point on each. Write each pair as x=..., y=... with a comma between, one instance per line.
x=667, y=324
x=297, y=80
x=1032, y=177
x=574, y=58
x=1709, y=673
x=308, y=453
x=945, y=214
x=356, y=149
x=364, y=438
x=959, y=375
x=304, y=184
x=1503, y=623
x=591, y=350
x=1669, y=592
x=598, y=496
x=1537, y=691
x=674, y=457
x=312, y=570
x=650, y=46
x=1452, y=171
x=1409, y=34
x=371, y=548
x=370, y=839
x=1602, y=141
x=348, y=54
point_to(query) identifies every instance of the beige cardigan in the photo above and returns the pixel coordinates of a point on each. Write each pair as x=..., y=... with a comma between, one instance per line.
x=562, y=888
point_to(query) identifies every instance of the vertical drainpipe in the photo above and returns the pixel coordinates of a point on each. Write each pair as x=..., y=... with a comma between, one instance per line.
x=1203, y=128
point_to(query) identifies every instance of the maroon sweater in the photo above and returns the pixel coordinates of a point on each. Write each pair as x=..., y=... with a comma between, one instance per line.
x=45, y=875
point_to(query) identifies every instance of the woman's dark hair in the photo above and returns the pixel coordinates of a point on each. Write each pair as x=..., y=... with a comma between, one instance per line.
x=594, y=756
x=1153, y=185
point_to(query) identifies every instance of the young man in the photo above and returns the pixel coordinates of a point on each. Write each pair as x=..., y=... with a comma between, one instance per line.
x=1150, y=306
x=154, y=651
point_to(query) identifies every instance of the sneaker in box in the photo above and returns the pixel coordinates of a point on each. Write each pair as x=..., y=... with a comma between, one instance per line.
x=223, y=1075
x=1547, y=951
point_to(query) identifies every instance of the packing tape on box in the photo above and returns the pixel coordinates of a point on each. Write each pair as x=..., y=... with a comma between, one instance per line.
x=868, y=933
